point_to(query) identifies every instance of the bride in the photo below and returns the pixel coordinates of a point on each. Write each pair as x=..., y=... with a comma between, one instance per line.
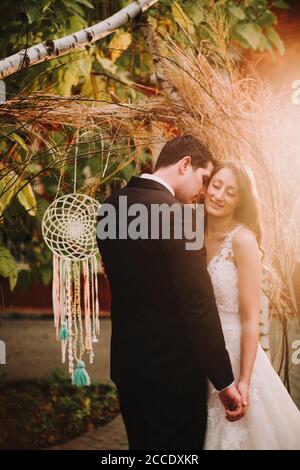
x=233, y=255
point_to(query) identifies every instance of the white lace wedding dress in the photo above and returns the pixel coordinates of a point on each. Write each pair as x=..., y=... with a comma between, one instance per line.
x=272, y=420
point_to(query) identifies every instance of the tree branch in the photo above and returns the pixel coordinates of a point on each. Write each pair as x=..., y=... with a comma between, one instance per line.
x=51, y=49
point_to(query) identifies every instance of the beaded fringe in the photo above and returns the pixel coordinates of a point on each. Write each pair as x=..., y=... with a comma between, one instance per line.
x=77, y=328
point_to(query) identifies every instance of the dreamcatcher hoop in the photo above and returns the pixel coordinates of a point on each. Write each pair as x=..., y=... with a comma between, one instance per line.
x=69, y=230
x=69, y=226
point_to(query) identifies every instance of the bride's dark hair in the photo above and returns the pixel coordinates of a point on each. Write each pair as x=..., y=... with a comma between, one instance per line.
x=247, y=211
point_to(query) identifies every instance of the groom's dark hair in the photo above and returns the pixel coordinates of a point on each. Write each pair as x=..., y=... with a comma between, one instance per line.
x=182, y=146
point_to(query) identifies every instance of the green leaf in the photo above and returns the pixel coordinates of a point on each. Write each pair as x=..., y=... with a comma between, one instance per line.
x=238, y=12
x=119, y=43
x=32, y=169
x=46, y=5
x=41, y=209
x=8, y=187
x=268, y=19
x=128, y=171
x=196, y=13
x=32, y=13
x=76, y=23
x=280, y=4
x=27, y=199
x=46, y=272
x=107, y=64
x=251, y=32
x=68, y=77
x=275, y=39
x=8, y=267
x=86, y=3
x=85, y=66
x=17, y=138
x=152, y=21
x=78, y=10
x=265, y=44
x=237, y=37
x=182, y=19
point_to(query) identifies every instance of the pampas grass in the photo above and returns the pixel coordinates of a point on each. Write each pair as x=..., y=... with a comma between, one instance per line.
x=240, y=118
x=236, y=114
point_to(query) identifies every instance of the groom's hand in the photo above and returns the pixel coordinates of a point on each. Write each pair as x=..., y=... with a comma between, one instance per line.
x=232, y=401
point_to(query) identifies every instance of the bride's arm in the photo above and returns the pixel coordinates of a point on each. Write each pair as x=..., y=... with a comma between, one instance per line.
x=248, y=262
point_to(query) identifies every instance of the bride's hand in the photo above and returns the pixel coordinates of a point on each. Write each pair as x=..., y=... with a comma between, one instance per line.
x=243, y=388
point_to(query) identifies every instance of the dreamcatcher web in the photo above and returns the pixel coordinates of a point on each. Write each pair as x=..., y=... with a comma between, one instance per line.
x=69, y=226
x=69, y=230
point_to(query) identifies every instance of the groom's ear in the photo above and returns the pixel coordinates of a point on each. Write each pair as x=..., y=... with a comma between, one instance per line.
x=184, y=164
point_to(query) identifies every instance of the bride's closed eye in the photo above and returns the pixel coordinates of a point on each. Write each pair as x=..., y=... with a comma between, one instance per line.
x=230, y=192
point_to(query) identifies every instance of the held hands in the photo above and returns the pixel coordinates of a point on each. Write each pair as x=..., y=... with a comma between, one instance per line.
x=243, y=388
x=235, y=401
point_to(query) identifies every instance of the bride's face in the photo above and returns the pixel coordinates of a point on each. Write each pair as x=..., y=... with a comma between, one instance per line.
x=222, y=197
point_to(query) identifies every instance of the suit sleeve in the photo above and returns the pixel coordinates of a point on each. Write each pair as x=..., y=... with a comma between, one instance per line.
x=193, y=288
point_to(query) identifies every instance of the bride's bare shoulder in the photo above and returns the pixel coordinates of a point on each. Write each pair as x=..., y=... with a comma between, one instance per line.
x=244, y=240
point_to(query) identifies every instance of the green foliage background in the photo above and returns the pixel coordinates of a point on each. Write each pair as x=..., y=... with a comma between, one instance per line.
x=105, y=72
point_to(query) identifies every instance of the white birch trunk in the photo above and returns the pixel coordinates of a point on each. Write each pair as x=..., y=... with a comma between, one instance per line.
x=73, y=42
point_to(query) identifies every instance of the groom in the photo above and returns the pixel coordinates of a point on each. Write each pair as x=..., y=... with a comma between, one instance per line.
x=166, y=333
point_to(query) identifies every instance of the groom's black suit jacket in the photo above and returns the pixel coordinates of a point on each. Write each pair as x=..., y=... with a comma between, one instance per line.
x=166, y=331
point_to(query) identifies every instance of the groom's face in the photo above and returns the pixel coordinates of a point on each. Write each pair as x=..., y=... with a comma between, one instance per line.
x=193, y=183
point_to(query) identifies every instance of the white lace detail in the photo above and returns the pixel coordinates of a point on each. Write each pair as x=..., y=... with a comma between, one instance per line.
x=265, y=425
x=222, y=434
x=223, y=274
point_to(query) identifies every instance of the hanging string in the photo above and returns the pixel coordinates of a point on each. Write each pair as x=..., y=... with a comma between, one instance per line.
x=62, y=300
x=78, y=346
x=70, y=320
x=80, y=376
x=75, y=162
x=96, y=295
x=87, y=312
x=64, y=329
x=93, y=285
x=75, y=336
x=60, y=178
x=56, y=294
x=74, y=314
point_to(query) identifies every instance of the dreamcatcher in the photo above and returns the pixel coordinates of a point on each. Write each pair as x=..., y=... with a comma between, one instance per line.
x=69, y=230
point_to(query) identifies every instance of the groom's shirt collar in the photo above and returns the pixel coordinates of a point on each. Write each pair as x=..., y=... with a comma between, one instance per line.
x=159, y=180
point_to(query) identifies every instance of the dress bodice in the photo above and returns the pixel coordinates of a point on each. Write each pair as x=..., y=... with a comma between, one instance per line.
x=265, y=424
x=224, y=276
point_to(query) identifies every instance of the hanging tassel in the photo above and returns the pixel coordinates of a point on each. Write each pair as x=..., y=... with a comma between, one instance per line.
x=93, y=289
x=64, y=332
x=80, y=376
x=63, y=351
x=56, y=292
x=97, y=325
x=96, y=297
x=87, y=307
x=69, y=316
x=62, y=289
